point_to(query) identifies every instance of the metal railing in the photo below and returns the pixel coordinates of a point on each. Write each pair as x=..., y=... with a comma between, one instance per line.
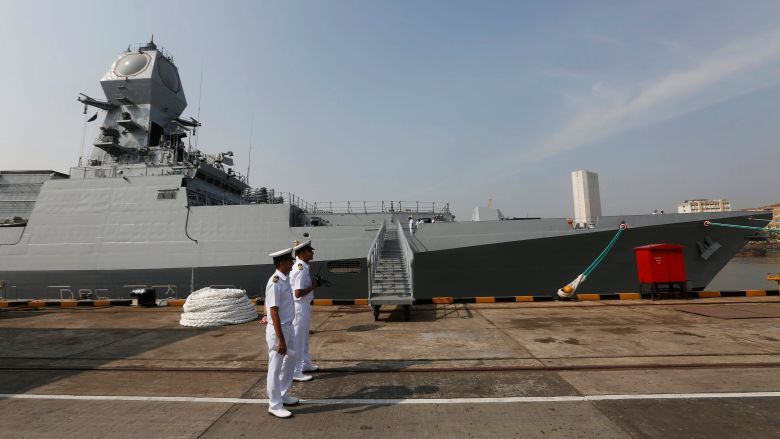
x=408, y=256
x=379, y=207
x=270, y=196
x=372, y=260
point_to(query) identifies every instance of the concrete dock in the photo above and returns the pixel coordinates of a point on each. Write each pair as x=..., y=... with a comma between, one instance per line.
x=612, y=369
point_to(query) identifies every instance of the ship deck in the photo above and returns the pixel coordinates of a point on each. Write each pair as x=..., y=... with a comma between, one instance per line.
x=672, y=368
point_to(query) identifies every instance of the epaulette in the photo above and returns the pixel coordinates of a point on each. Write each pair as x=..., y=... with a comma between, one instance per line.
x=275, y=279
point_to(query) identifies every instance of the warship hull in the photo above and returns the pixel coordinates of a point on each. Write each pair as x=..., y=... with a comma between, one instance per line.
x=541, y=265
x=109, y=236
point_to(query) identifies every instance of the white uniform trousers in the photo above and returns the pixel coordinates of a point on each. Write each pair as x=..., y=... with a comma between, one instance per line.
x=280, y=367
x=301, y=324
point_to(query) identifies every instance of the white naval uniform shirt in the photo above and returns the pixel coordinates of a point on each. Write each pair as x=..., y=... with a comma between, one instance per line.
x=300, y=279
x=279, y=293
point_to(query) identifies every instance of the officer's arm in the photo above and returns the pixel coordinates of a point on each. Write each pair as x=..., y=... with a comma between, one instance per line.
x=264, y=319
x=281, y=345
x=303, y=292
x=300, y=292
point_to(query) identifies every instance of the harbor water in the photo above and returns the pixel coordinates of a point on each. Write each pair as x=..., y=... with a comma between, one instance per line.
x=748, y=273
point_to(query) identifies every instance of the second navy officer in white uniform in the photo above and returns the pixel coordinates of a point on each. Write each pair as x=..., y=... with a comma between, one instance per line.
x=280, y=336
x=303, y=290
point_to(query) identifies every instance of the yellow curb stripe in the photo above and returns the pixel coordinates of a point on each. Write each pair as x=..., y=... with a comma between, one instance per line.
x=524, y=298
x=68, y=304
x=705, y=294
x=442, y=300
x=755, y=293
x=101, y=303
x=323, y=302
x=175, y=302
x=3, y=304
x=588, y=297
x=36, y=304
x=630, y=296
x=361, y=301
x=485, y=299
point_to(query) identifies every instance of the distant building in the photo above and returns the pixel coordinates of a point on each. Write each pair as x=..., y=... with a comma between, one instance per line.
x=703, y=206
x=587, y=199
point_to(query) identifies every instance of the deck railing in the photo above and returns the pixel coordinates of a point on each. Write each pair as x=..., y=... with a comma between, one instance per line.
x=270, y=196
x=438, y=207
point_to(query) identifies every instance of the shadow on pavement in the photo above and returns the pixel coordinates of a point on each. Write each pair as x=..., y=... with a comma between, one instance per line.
x=35, y=354
x=373, y=393
x=430, y=313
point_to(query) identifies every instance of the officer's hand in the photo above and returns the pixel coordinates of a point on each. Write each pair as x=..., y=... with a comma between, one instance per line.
x=264, y=320
x=281, y=348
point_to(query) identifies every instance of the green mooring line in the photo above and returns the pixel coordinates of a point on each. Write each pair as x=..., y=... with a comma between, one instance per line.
x=603, y=254
x=735, y=226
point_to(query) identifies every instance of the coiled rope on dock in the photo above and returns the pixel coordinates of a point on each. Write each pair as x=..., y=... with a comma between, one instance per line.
x=209, y=307
x=568, y=291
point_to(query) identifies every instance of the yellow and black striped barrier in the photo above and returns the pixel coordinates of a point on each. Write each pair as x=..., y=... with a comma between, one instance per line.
x=443, y=300
x=65, y=303
x=447, y=300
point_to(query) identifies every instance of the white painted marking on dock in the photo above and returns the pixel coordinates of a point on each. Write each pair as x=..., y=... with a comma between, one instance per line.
x=504, y=400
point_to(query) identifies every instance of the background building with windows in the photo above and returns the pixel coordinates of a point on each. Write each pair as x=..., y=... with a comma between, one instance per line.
x=703, y=206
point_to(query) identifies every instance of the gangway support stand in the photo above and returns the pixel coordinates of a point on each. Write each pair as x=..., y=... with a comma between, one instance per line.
x=407, y=312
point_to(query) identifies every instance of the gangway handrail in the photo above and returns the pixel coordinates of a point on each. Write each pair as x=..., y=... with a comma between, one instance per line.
x=372, y=260
x=408, y=256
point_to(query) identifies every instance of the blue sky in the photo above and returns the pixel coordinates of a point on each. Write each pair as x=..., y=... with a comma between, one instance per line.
x=450, y=100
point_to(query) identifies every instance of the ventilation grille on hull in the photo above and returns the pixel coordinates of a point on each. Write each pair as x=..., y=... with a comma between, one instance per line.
x=344, y=267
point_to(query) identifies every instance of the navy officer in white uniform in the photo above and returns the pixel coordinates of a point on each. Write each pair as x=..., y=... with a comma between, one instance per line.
x=279, y=335
x=303, y=290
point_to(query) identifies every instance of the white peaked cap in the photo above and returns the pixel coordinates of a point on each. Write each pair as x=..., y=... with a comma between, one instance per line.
x=304, y=244
x=280, y=253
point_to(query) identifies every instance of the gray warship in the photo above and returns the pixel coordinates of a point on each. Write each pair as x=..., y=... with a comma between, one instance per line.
x=147, y=209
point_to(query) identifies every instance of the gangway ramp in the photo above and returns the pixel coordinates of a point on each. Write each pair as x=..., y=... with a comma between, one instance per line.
x=391, y=283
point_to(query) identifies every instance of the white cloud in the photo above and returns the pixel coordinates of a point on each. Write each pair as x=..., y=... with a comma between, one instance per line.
x=652, y=101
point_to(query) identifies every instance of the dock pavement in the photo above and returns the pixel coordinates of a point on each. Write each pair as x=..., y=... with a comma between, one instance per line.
x=613, y=369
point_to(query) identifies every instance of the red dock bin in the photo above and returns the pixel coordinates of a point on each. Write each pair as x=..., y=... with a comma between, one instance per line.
x=660, y=263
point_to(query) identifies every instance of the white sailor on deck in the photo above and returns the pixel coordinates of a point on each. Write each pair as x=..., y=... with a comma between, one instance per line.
x=303, y=290
x=279, y=335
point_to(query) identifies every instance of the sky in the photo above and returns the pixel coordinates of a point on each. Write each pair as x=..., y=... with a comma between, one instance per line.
x=458, y=101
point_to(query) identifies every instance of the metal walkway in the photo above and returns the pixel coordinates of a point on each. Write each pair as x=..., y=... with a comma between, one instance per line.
x=392, y=283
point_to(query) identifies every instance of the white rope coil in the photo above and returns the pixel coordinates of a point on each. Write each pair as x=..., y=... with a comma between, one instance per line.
x=210, y=307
